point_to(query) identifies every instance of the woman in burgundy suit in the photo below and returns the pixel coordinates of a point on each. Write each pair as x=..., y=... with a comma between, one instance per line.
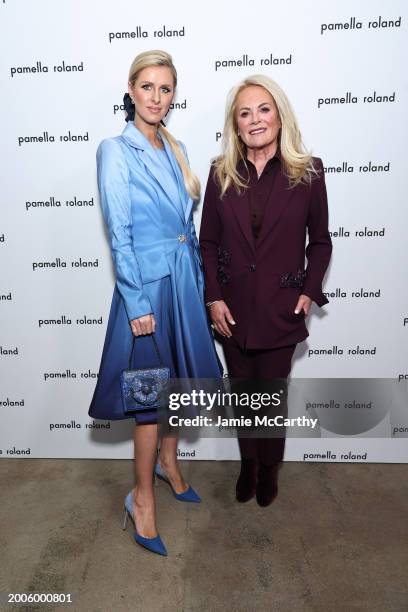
x=264, y=194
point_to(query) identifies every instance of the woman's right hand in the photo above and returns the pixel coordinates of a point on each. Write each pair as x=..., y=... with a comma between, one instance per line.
x=143, y=325
x=221, y=316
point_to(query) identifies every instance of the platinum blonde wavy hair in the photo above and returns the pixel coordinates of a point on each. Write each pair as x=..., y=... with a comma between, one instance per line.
x=298, y=164
x=161, y=58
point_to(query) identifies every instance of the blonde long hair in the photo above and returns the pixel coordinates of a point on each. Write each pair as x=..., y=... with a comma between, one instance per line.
x=161, y=58
x=298, y=164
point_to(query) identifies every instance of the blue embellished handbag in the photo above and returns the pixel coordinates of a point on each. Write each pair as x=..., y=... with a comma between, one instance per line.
x=143, y=389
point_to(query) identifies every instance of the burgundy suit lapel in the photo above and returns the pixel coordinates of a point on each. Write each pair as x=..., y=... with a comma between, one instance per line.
x=240, y=206
x=275, y=205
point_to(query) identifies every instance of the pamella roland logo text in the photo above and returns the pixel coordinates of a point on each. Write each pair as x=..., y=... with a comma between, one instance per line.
x=40, y=68
x=139, y=32
x=59, y=263
x=354, y=24
x=52, y=202
x=46, y=137
x=246, y=60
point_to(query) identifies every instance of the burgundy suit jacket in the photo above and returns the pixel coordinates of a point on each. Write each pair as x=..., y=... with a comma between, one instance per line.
x=261, y=282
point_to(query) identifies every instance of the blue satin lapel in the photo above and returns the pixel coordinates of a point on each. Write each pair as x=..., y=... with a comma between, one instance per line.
x=185, y=199
x=167, y=182
x=153, y=166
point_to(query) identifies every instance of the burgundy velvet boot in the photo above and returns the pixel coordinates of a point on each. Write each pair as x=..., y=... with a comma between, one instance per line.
x=246, y=483
x=267, y=484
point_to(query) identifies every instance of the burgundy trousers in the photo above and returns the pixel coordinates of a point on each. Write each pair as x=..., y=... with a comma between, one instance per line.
x=253, y=365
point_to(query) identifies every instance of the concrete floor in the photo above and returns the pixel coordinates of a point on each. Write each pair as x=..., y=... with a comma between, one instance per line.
x=335, y=539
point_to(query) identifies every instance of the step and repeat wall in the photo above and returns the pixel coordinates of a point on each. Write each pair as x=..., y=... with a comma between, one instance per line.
x=63, y=75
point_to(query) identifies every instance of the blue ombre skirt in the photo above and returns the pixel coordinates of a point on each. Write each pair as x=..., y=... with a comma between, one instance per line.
x=182, y=333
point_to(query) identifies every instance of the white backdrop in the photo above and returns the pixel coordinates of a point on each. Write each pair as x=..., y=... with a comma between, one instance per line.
x=63, y=75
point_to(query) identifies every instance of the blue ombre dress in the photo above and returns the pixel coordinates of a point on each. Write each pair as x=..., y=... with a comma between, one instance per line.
x=148, y=214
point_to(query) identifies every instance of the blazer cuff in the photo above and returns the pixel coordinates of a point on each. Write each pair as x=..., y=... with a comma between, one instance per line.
x=212, y=297
x=316, y=295
x=137, y=305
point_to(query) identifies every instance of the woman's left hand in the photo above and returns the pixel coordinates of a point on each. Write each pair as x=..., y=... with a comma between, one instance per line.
x=304, y=304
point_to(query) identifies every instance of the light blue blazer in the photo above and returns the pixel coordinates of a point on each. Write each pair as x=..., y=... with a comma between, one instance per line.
x=146, y=217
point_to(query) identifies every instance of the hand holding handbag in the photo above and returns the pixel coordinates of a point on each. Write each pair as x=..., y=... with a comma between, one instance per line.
x=142, y=389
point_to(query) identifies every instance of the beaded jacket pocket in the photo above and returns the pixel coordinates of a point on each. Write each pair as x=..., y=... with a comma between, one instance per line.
x=291, y=279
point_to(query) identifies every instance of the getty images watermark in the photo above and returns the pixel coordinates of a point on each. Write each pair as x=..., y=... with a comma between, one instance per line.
x=241, y=402
x=300, y=408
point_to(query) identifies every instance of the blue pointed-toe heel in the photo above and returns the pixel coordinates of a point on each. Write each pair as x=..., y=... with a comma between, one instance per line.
x=187, y=496
x=155, y=545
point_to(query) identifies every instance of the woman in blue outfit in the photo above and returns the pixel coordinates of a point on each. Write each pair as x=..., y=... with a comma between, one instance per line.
x=147, y=192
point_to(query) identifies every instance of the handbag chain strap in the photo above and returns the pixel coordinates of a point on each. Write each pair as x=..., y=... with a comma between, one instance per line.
x=155, y=346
